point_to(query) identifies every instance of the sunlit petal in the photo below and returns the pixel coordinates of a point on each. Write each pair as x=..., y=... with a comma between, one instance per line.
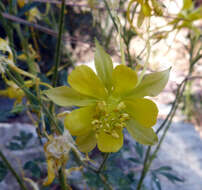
x=78, y=122
x=85, y=81
x=144, y=111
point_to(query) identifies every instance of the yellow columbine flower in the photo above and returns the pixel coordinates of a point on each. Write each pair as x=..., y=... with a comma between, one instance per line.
x=57, y=154
x=110, y=101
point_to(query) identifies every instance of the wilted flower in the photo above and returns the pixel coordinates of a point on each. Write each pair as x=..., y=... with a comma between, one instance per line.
x=110, y=102
x=57, y=154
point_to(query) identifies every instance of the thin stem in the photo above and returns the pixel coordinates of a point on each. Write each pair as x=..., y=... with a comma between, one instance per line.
x=19, y=180
x=110, y=14
x=102, y=165
x=104, y=180
x=144, y=170
x=62, y=180
x=58, y=46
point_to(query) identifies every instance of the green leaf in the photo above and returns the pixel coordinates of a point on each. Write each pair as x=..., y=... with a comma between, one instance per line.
x=33, y=168
x=151, y=85
x=187, y=4
x=141, y=134
x=14, y=146
x=93, y=180
x=139, y=149
x=195, y=15
x=173, y=178
x=3, y=171
x=163, y=168
x=20, y=142
x=156, y=181
x=103, y=65
x=65, y=96
x=135, y=160
x=18, y=108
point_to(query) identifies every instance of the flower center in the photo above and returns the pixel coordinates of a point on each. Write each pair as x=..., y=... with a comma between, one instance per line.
x=109, y=118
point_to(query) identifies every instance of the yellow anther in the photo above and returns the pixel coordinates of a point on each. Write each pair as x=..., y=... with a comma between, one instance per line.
x=118, y=125
x=95, y=122
x=102, y=105
x=108, y=125
x=121, y=106
x=115, y=134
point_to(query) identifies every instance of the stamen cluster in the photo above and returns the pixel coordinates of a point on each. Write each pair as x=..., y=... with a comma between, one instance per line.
x=109, y=118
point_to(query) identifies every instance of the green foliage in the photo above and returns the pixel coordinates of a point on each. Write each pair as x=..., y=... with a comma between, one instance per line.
x=3, y=171
x=92, y=180
x=20, y=142
x=32, y=166
x=165, y=171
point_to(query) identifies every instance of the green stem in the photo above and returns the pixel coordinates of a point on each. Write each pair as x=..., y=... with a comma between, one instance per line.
x=94, y=170
x=110, y=14
x=102, y=165
x=19, y=180
x=62, y=180
x=58, y=46
x=144, y=170
x=104, y=180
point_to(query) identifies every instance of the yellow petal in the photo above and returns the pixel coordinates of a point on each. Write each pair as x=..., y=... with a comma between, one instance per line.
x=108, y=143
x=124, y=79
x=78, y=122
x=86, y=143
x=51, y=172
x=151, y=85
x=65, y=96
x=141, y=134
x=144, y=111
x=85, y=81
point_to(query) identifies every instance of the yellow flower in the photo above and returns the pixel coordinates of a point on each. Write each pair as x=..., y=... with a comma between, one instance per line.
x=14, y=92
x=6, y=55
x=110, y=101
x=34, y=15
